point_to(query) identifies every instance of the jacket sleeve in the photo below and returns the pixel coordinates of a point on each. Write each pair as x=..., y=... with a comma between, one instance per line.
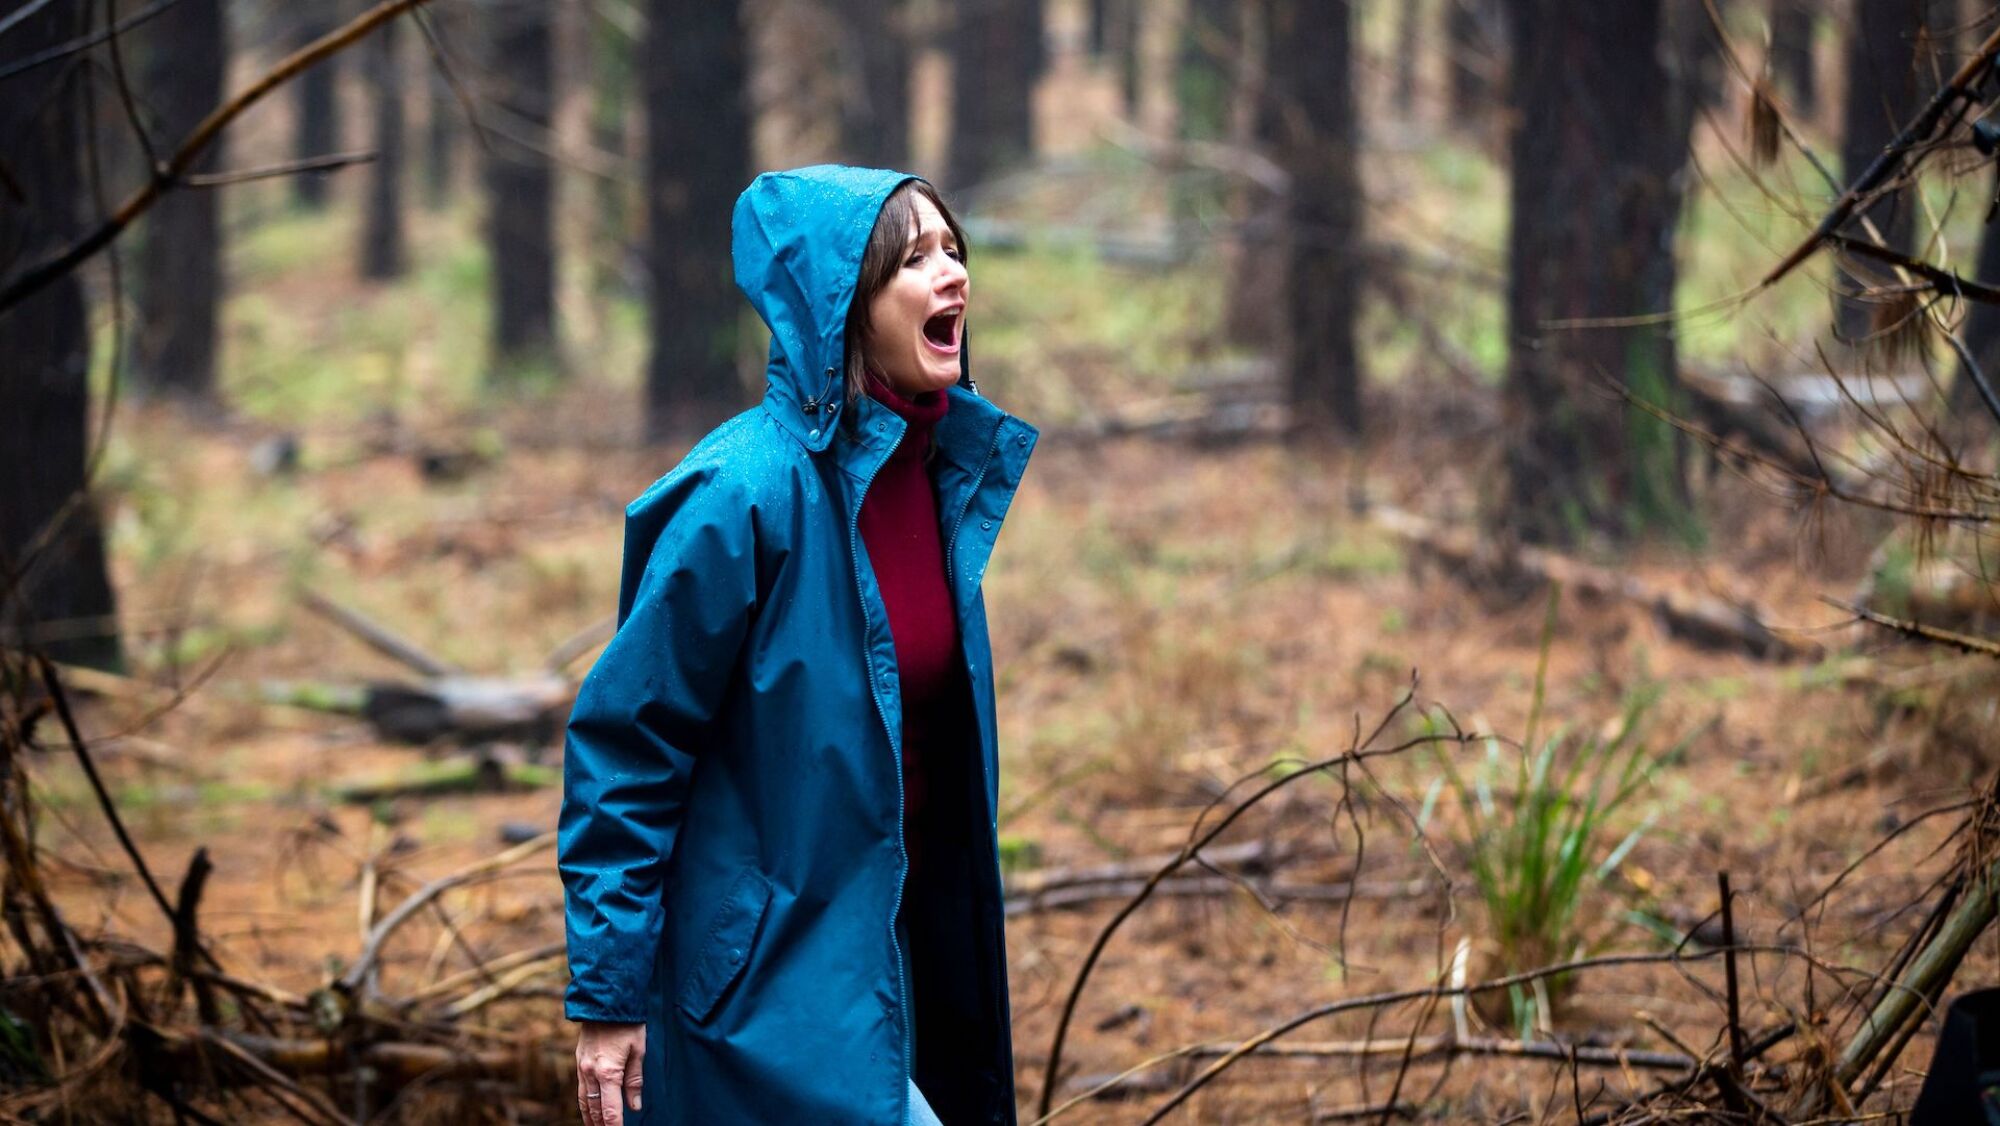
x=641, y=716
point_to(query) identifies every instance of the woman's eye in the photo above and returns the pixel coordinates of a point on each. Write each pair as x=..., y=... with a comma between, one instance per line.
x=914, y=259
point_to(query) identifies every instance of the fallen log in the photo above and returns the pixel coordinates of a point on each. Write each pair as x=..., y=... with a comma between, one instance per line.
x=1726, y=414
x=1145, y=1080
x=1432, y=1047
x=531, y=1067
x=1199, y=421
x=581, y=642
x=527, y=709
x=470, y=708
x=378, y=637
x=475, y=774
x=1706, y=622
x=1873, y=1048
x=1249, y=856
x=1058, y=899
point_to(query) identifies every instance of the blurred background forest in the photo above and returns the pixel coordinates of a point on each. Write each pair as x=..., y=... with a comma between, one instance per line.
x=1500, y=626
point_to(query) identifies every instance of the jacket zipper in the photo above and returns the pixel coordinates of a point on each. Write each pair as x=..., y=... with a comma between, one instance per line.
x=882, y=711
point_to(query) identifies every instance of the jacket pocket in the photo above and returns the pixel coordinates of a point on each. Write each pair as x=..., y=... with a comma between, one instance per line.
x=726, y=950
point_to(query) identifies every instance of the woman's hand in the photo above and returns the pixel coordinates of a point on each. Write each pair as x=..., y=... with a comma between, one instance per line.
x=609, y=1060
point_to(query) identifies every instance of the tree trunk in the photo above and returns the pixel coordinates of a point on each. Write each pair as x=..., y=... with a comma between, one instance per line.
x=1253, y=304
x=1694, y=65
x=1792, y=63
x=614, y=75
x=1210, y=42
x=55, y=591
x=1125, y=20
x=442, y=114
x=1475, y=45
x=1692, y=58
x=1312, y=56
x=382, y=255
x=1409, y=14
x=1886, y=83
x=1594, y=210
x=316, y=107
x=996, y=57
x=875, y=98
x=179, y=284
x=697, y=160
x=520, y=184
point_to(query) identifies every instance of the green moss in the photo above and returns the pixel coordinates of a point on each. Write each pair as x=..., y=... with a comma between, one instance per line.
x=1657, y=500
x=1019, y=854
x=1723, y=688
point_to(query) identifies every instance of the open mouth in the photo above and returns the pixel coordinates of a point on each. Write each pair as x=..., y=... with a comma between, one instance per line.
x=941, y=331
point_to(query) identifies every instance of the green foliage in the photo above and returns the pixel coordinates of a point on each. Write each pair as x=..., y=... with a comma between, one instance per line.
x=1053, y=313
x=1657, y=497
x=1539, y=827
x=1018, y=853
x=1893, y=578
x=21, y=1063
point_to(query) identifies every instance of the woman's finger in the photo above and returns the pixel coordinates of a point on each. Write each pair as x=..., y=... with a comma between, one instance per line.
x=610, y=1102
x=635, y=1070
x=591, y=1096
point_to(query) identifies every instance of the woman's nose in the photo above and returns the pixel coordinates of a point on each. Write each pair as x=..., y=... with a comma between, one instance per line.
x=953, y=276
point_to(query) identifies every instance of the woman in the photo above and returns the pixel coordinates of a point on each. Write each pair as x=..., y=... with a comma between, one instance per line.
x=777, y=838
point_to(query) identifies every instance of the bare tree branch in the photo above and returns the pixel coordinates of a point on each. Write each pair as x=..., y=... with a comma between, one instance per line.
x=174, y=170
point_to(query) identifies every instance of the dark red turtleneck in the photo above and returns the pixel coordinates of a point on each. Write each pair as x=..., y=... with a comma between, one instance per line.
x=899, y=526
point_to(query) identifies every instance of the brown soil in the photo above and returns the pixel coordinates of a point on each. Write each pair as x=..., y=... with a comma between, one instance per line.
x=1166, y=622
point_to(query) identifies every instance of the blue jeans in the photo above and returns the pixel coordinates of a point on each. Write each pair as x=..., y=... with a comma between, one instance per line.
x=921, y=1113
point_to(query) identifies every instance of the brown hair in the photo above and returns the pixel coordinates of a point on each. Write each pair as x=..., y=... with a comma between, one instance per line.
x=888, y=245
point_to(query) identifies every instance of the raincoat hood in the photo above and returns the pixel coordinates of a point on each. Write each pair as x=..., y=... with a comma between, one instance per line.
x=797, y=240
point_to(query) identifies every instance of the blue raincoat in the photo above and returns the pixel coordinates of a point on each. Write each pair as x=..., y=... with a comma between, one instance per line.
x=731, y=842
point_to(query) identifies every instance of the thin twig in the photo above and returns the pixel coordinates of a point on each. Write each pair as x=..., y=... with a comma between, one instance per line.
x=1961, y=641
x=168, y=175
x=1887, y=162
x=1732, y=1089
x=84, y=42
x=1199, y=840
x=1940, y=279
x=357, y=973
x=60, y=698
x=325, y=163
x=1397, y=997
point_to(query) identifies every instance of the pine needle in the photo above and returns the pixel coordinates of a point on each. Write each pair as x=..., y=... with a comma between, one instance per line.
x=1897, y=327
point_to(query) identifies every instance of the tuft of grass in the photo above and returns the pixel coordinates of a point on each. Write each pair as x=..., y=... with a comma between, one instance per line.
x=1539, y=828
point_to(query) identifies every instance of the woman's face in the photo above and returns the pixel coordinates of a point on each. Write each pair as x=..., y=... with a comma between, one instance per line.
x=916, y=322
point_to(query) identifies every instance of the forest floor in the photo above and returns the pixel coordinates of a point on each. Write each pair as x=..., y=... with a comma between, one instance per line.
x=1166, y=621
x=1169, y=617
